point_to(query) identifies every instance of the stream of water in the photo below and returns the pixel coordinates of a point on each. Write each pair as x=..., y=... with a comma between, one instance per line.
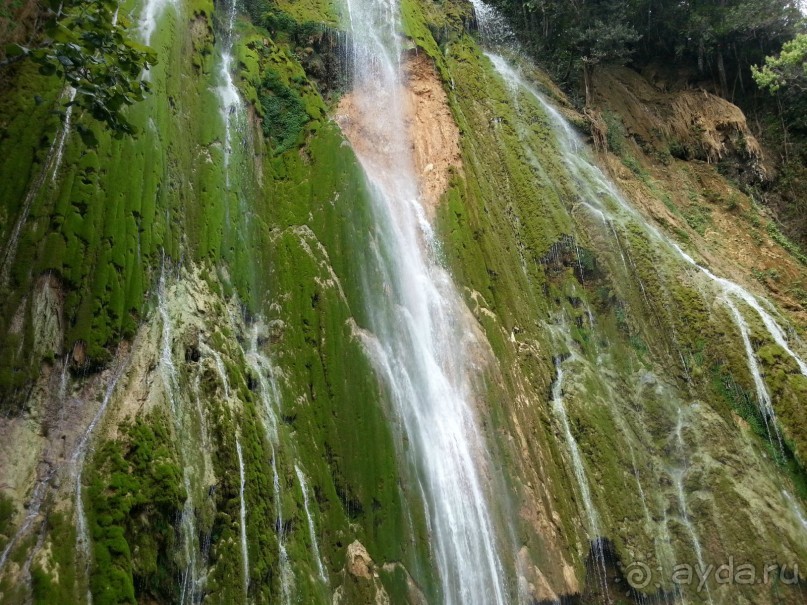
x=243, y=516
x=312, y=533
x=192, y=576
x=594, y=530
x=83, y=540
x=420, y=331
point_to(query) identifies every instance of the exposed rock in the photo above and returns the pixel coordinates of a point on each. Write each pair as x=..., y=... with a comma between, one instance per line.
x=435, y=136
x=359, y=563
x=431, y=140
x=47, y=316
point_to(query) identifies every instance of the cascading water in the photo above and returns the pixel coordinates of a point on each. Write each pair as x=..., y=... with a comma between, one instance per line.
x=243, y=516
x=311, y=529
x=763, y=398
x=191, y=582
x=230, y=101
x=149, y=18
x=678, y=478
x=798, y=511
x=83, y=540
x=286, y=573
x=270, y=398
x=559, y=408
x=268, y=393
x=53, y=162
x=600, y=196
x=597, y=195
x=68, y=116
x=419, y=330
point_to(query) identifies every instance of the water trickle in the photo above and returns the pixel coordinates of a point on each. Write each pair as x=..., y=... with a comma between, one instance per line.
x=51, y=167
x=221, y=368
x=286, y=573
x=149, y=18
x=763, y=398
x=419, y=330
x=83, y=540
x=794, y=505
x=594, y=533
x=34, y=506
x=192, y=576
x=311, y=530
x=678, y=478
x=243, y=516
x=267, y=392
x=62, y=138
x=602, y=198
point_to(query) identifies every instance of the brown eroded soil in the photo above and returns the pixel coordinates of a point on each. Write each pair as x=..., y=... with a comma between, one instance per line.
x=431, y=140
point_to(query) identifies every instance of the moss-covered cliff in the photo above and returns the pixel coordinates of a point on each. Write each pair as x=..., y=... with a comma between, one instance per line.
x=178, y=312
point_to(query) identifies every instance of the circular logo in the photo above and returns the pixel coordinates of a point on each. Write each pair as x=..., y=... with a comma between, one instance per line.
x=638, y=575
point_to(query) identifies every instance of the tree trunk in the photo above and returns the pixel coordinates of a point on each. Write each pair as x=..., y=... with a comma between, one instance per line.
x=721, y=72
x=588, y=69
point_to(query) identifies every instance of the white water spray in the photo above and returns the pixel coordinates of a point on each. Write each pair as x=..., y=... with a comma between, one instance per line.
x=243, y=517
x=286, y=573
x=311, y=530
x=559, y=408
x=419, y=330
x=192, y=576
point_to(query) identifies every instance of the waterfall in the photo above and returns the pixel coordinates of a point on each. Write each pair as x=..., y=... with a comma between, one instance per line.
x=763, y=398
x=191, y=579
x=53, y=162
x=83, y=539
x=286, y=573
x=601, y=197
x=149, y=18
x=268, y=393
x=229, y=98
x=68, y=115
x=798, y=512
x=420, y=332
x=311, y=530
x=559, y=408
x=243, y=517
x=678, y=479
x=34, y=506
x=221, y=368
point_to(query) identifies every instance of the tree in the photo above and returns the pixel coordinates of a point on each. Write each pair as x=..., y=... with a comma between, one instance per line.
x=84, y=44
x=787, y=70
x=602, y=42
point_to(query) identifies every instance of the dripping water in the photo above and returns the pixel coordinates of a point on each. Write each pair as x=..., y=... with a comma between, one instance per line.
x=311, y=530
x=559, y=408
x=243, y=516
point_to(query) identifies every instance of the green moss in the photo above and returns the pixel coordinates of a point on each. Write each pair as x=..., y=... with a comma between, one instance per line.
x=284, y=113
x=134, y=498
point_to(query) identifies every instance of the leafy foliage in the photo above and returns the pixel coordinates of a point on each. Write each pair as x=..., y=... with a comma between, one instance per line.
x=788, y=69
x=720, y=39
x=85, y=45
